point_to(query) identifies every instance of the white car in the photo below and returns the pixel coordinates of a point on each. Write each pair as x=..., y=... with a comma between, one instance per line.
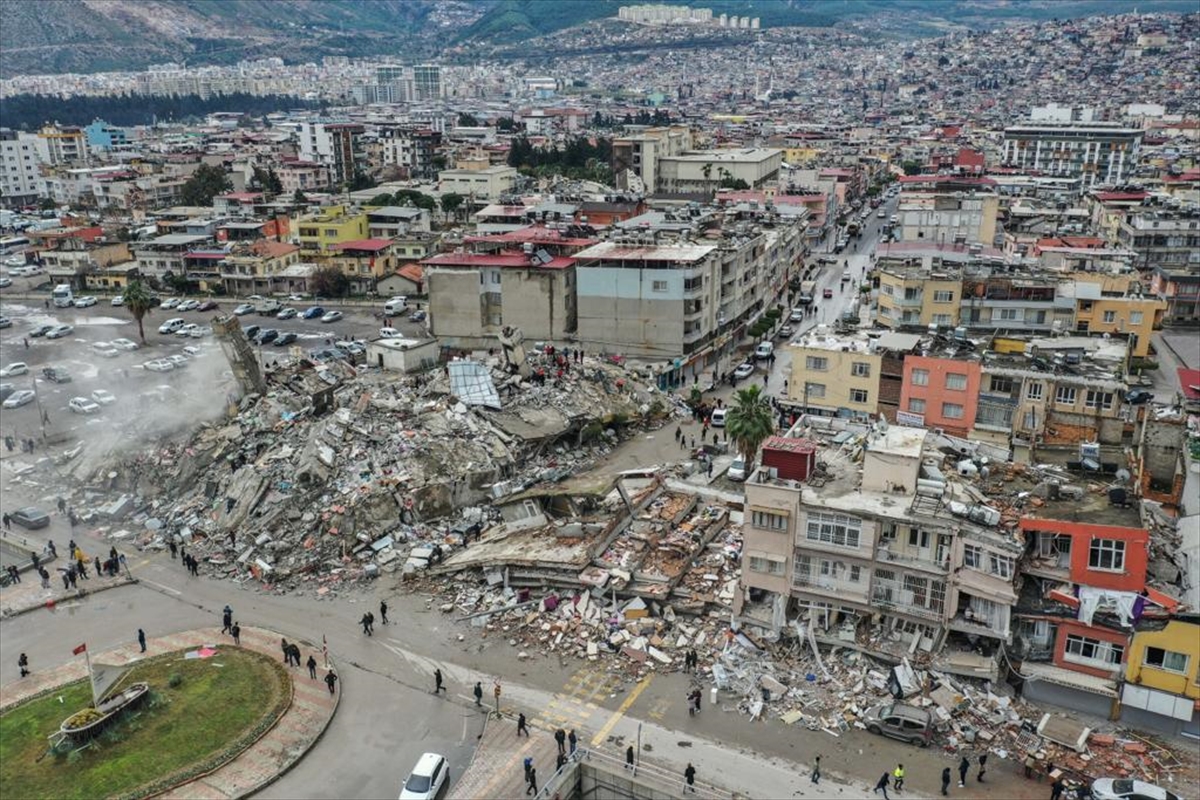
x=188, y=305
x=169, y=303
x=59, y=331
x=81, y=405
x=243, y=310
x=286, y=313
x=200, y=331
x=186, y=330
x=332, y=316
x=1127, y=789
x=159, y=365
x=191, y=351
x=5, y=283
x=737, y=470
x=103, y=397
x=14, y=369
x=85, y=301
x=119, y=300
x=106, y=349
x=426, y=780
x=389, y=333
x=14, y=261
x=124, y=344
x=171, y=325
x=178, y=361
x=19, y=398
x=744, y=370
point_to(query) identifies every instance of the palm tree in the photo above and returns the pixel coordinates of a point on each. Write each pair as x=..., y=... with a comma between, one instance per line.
x=749, y=421
x=139, y=301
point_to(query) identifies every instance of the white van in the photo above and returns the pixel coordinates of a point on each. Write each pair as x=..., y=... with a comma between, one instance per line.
x=171, y=325
x=396, y=305
x=717, y=420
x=737, y=470
x=764, y=350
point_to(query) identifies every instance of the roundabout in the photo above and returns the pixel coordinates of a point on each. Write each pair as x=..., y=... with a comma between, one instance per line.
x=194, y=717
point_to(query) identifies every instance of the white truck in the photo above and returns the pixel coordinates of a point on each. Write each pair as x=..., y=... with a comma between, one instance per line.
x=63, y=296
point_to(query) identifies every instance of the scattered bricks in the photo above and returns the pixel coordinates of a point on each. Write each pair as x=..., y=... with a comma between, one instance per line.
x=1103, y=740
x=1134, y=747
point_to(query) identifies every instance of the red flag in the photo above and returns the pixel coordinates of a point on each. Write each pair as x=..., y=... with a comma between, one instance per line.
x=79, y=649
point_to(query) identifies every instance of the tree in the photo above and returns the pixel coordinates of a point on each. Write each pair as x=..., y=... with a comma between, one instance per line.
x=911, y=167
x=411, y=197
x=737, y=184
x=329, y=282
x=139, y=301
x=206, y=183
x=749, y=421
x=47, y=204
x=384, y=199
x=466, y=120
x=298, y=198
x=451, y=202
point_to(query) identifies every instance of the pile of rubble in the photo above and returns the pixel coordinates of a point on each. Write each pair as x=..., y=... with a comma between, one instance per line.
x=335, y=474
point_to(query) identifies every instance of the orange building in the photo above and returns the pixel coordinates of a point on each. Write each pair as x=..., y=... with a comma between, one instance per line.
x=940, y=393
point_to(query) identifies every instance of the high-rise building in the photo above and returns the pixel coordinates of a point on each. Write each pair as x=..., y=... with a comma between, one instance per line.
x=1098, y=153
x=20, y=175
x=427, y=82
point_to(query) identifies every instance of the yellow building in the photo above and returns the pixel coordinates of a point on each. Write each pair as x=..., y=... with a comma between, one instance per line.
x=1135, y=316
x=319, y=233
x=1162, y=676
x=797, y=156
x=835, y=375
x=912, y=296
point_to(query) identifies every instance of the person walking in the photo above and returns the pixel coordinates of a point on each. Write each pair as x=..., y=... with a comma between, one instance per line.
x=437, y=682
x=629, y=758
x=235, y=631
x=478, y=692
x=312, y=667
x=689, y=779
x=560, y=738
x=982, y=766
x=528, y=766
x=227, y=619
x=816, y=769
x=964, y=767
x=532, y=788
x=330, y=680
x=7, y=522
x=142, y=639
x=286, y=649
x=383, y=612
x=572, y=741
x=898, y=778
x=882, y=785
x=945, y=781
x=174, y=548
x=366, y=623
x=23, y=663
x=521, y=726
x=1056, y=788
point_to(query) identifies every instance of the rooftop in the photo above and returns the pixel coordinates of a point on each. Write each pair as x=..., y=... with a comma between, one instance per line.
x=616, y=251
x=512, y=260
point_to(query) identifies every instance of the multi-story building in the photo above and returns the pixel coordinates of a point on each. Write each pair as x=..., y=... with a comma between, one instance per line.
x=20, y=168
x=318, y=233
x=1162, y=676
x=427, y=82
x=364, y=262
x=943, y=213
x=303, y=177
x=918, y=290
x=255, y=267
x=940, y=392
x=635, y=157
x=408, y=149
x=1132, y=316
x=481, y=186
x=104, y=137
x=164, y=256
x=871, y=556
x=62, y=146
x=337, y=145
x=844, y=375
x=1015, y=301
x=1099, y=153
x=1167, y=244
x=704, y=171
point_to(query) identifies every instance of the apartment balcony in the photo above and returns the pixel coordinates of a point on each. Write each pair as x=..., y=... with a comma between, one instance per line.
x=887, y=602
x=981, y=627
x=923, y=563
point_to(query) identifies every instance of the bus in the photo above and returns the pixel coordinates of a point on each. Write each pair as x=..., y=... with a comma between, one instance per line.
x=63, y=296
x=11, y=244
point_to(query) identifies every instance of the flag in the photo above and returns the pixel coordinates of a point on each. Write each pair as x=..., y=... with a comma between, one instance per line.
x=79, y=649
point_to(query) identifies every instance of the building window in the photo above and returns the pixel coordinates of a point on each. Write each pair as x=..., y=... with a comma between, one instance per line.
x=1098, y=399
x=858, y=395
x=972, y=556
x=768, y=521
x=860, y=369
x=956, y=381
x=916, y=405
x=835, y=529
x=814, y=390
x=920, y=377
x=1085, y=649
x=1001, y=566
x=855, y=573
x=1033, y=391
x=826, y=567
x=918, y=538
x=1001, y=384
x=659, y=286
x=942, y=319
x=1065, y=395
x=1165, y=659
x=1107, y=555
x=767, y=563
x=1011, y=314
x=943, y=297
x=816, y=363
x=887, y=531
x=952, y=411
x=1110, y=316
x=1135, y=318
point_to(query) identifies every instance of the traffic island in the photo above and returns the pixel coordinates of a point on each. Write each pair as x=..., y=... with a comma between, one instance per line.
x=217, y=720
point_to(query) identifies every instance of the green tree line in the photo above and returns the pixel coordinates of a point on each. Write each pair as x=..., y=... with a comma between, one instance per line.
x=30, y=111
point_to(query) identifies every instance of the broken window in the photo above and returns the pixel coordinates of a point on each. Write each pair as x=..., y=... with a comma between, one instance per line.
x=1001, y=566
x=1085, y=648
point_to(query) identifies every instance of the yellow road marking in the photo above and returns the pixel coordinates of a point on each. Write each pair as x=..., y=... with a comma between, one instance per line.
x=599, y=738
x=502, y=773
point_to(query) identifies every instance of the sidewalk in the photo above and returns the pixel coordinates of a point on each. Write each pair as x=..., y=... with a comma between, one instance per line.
x=496, y=770
x=300, y=727
x=28, y=595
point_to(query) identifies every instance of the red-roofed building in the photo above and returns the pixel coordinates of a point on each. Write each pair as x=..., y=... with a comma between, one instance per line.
x=472, y=296
x=364, y=262
x=552, y=240
x=409, y=279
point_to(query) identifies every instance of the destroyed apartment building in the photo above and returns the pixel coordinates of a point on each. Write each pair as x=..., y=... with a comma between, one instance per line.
x=335, y=472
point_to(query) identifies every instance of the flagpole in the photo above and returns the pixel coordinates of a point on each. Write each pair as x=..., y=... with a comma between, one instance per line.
x=91, y=678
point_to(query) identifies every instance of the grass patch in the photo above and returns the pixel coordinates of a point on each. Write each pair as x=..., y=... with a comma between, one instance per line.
x=183, y=728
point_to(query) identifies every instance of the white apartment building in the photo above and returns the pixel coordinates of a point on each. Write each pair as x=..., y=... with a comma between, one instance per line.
x=20, y=168
x=1098, y=153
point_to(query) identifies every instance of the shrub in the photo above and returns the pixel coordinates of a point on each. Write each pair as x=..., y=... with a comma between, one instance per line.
x=175, y=681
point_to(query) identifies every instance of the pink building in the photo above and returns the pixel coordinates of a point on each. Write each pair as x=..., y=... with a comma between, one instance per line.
x=939, y=393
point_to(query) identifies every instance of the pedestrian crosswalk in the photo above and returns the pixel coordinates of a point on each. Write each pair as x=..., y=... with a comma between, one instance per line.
x=580, y=699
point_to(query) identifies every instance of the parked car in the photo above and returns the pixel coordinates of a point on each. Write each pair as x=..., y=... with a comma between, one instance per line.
x=178, y=361
x=332, y=316
x=899, y=721
x=30, y=517
x=82, y=405
x=119, y=300
x=103, y=397
x=787, y=331
x=251, y=331
x=188, y=305
x=417, y=316
x=426, y=779
x=737, y=470
x=5, y=283
x=268, y=307
x=59, y=331
x=7, y=390
x=1137, y=397
x=41, y=330
x=764, y=350
x=186, y=330
x=171, y=325
x=286, y=313
x=797, y=315
x=743, y=371
x=105, y=349
x=191, y=351
x=5, y=322
x=1129, y=789
x=19, y=398
x=285, y=339
x=159, y=365
x=389, y=333
x=717, y=419
x=56, y=374
x=267, y=335
x=124, y=344
x=169, y=303
x=14, y=369
x=243, y=310
x=208, y=305
x=313, y=312
x=85, y=302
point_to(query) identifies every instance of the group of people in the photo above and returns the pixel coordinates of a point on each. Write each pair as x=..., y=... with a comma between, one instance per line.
x=895, y=778
x=28, y=445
